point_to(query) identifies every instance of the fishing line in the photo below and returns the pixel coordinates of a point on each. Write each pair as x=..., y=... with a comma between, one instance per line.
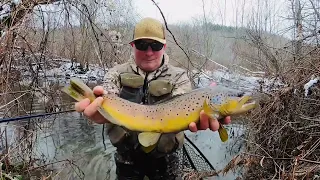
x=103, y=138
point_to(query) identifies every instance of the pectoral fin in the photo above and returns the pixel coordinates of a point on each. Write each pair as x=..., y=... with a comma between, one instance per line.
x=147, y=139
x=207, y=109
x=223, y=133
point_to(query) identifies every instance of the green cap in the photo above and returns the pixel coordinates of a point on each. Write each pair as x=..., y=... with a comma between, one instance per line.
x=149, y=28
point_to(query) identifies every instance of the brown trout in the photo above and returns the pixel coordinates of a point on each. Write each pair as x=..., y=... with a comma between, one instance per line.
x=169, y=116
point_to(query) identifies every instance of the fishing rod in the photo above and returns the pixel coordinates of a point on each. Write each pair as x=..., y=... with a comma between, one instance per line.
x=4, y=120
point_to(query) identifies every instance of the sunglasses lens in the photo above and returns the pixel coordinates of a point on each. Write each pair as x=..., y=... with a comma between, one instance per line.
x=143, y=46
x=156, y=46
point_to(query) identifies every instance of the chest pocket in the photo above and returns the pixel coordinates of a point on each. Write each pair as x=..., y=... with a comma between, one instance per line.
x=135, y=88
x=132, y=87
x=159, y=90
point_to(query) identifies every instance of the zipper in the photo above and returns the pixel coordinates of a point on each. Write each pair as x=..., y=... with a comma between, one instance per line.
x=145, y=89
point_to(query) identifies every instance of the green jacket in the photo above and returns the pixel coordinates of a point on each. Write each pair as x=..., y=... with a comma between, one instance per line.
x=126, y=141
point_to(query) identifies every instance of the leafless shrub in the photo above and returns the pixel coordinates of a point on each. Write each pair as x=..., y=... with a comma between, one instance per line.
x=283, y=135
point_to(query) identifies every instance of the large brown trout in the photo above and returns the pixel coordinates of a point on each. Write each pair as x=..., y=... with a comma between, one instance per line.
x=169, y=116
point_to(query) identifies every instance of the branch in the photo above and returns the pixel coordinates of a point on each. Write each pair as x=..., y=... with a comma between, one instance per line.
x=166, y=24
x=315, y=9
x=25, y=7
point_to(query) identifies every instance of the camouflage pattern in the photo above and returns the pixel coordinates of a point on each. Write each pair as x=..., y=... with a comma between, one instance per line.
x=130, y=161
x=175, y=75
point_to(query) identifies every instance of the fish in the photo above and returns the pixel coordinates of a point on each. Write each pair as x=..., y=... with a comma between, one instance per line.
x=168, y=116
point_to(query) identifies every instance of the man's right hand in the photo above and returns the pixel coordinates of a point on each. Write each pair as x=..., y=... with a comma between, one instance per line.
x=91, y=109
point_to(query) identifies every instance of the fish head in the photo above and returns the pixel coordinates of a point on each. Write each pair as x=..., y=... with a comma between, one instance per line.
x=225, y=101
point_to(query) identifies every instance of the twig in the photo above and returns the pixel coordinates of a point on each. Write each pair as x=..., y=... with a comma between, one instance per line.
x=34, y=168
x=166, y=24
x=261, y=156
x=13, y=100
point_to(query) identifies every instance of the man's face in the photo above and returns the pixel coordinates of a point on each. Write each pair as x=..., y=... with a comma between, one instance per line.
x=146, y=58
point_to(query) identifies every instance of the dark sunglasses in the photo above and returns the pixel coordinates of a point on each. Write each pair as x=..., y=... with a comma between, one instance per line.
x=143, y=46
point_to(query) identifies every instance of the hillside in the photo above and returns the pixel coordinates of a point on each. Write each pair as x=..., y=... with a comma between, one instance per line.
x=228, y=46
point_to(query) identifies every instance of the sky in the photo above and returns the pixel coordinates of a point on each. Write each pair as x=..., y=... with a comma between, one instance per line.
x=224, y=12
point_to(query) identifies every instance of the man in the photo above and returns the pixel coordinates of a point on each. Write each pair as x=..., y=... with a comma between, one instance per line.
x=146, y=78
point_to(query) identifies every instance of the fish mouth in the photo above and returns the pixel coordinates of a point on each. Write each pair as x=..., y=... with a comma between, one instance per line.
x=246, y=103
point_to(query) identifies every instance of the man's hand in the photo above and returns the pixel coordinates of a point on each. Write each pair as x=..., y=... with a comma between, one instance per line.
x=91, y=109
x=206, y=122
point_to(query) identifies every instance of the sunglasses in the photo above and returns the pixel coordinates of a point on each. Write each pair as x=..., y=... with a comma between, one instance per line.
x=143, y=46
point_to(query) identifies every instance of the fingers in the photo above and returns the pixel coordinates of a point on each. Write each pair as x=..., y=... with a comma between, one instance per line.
x=193, y=127
x=98, y=118
x=204, y=121
x=207, y=122
x=93, y=107
x=214, y=124
x=81, y=106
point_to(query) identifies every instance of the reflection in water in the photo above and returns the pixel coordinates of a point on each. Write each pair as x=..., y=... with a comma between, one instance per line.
x=73, y=139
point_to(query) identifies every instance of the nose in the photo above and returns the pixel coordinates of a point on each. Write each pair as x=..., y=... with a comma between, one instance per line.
x=149, y=51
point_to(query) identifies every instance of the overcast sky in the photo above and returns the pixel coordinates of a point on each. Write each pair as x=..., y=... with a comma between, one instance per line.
x=219, y=11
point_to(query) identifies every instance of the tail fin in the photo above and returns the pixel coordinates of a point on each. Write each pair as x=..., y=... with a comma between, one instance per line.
x=78, y=90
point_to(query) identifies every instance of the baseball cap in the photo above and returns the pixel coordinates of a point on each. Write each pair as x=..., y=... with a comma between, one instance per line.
x=149, y=28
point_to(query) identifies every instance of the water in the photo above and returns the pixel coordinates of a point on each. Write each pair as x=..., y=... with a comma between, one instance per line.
x=74, y=147
x=78, y=144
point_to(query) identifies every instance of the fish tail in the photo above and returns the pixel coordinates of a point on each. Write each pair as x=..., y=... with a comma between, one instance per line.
x=78, y=90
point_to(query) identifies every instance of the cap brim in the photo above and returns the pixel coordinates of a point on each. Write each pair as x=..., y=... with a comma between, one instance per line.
x=163, y=41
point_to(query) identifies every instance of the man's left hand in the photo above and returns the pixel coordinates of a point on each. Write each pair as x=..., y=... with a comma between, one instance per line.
x=207, y=122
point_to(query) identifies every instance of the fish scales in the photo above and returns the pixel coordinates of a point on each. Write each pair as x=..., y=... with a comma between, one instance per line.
x=173, y=115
